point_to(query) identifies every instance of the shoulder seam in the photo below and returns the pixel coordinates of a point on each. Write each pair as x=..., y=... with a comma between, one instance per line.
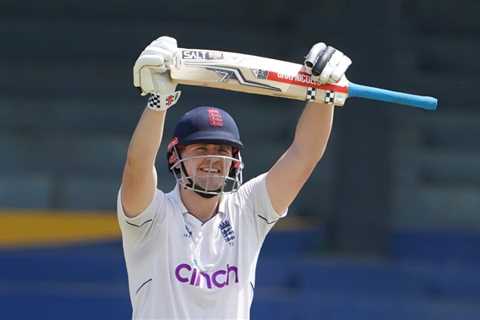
x=138, y=226
x=266, y=220
x=142, y=285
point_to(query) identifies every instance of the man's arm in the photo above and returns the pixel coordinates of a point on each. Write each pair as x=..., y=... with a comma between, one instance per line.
x=139, y=181
x=286, y=178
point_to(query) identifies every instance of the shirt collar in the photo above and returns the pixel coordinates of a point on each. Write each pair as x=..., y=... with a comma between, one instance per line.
x=178, y=199
x=184, y=211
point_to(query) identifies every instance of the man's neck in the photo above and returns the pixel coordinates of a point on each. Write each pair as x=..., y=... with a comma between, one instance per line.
x=201, y=208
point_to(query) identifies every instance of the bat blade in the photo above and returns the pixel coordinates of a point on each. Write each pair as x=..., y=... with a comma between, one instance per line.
x=251, y=74
x=272, y=77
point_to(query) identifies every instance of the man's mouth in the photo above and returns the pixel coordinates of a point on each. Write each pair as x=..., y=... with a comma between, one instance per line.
x=210, y=170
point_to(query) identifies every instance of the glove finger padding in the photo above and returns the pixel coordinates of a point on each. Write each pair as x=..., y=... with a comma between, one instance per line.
x=330, y=66
x=165, y=42
x=326, y=64
x=340, y=70
x=150, y=70
x=166, y=55
x=312, y=56
x=144, y=66
x=322, y=61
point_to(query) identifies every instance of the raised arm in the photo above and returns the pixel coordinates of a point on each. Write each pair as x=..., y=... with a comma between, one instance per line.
x=286, y=178
x=139, y=179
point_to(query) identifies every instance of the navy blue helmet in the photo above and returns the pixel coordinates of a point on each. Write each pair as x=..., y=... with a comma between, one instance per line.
x=209, y=125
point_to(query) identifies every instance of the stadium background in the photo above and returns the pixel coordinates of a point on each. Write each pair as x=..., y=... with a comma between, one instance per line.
x=387, y=227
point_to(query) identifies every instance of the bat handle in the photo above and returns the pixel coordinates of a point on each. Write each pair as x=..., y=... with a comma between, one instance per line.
x=361, y=91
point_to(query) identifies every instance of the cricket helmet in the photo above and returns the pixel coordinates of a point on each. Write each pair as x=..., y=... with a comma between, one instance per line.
x=209, y=125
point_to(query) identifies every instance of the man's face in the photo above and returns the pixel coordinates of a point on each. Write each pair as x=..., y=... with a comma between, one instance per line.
x=208, y=170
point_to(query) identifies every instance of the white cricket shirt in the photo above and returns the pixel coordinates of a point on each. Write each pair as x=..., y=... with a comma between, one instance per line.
x=181, y=268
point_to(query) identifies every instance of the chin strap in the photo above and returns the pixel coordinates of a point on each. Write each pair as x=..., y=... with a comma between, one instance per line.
x=206, y=195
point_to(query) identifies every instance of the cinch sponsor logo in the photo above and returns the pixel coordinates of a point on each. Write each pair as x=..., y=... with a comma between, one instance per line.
x=218, y=279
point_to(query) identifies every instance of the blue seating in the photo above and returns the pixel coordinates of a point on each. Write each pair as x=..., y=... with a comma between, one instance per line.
x=440, y=247
x=362, y=277
x=287, y=287
x=364, y=307
x=452, y=281
x=95, y=263
x=272, y=304
x=90, y=279
x=73, y=302
x=290, y=242
x=277, y=272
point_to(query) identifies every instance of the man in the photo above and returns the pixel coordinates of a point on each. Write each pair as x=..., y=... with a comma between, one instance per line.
x=192, y=253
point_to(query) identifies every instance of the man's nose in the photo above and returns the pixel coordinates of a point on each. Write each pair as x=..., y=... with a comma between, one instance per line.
x=211, y=159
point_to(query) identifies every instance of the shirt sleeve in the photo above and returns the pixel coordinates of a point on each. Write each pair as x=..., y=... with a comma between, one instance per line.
x=139, y=228
x=258, y=206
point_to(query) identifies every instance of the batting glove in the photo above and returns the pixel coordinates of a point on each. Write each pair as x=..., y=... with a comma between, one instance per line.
x=150, y=73
x=326, y=64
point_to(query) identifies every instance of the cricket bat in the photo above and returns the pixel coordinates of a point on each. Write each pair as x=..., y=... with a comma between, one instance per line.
x=265, y=76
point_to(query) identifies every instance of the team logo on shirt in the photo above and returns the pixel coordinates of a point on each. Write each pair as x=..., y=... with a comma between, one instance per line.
x=227, y=232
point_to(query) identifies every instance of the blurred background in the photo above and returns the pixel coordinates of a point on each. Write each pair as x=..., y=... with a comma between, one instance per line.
x=388, y=226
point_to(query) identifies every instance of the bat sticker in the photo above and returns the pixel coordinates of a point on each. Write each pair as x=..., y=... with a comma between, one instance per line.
x=311, y=93
x=260, y=74
x=329, y=97
x=201, y=55
x=236, y=74
x=304, y=80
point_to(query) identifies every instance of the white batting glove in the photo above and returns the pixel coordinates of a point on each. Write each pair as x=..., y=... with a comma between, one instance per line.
x=326, y=64
x=150, y=73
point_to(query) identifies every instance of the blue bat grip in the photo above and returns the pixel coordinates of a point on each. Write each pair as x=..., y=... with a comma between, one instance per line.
x=361, y=91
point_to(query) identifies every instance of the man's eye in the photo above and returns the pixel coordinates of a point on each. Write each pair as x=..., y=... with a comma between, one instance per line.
x=224, y=150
